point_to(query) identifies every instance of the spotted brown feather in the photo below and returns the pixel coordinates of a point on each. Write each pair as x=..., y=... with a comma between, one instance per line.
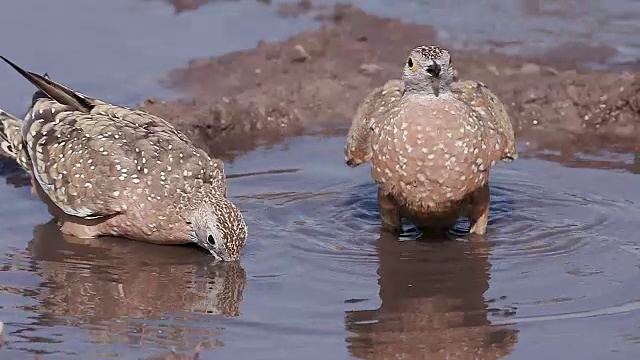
x=105, y=169
x=431, y=143
x=369, y=114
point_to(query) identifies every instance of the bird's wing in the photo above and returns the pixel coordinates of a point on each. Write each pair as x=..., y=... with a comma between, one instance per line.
x=358, y=144
x=491, y=112
x=144, y=121
x=76, y=167
x=162, y=139
x=87, y=154
x=85, y=162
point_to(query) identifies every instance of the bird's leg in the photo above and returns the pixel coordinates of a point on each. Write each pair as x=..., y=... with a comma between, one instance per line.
x=479, y=213
x=390, y=214
x=79, y=230
x=35, y=187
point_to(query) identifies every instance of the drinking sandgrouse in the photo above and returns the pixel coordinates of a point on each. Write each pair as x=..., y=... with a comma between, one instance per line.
x=104, y=169
x=431, y=140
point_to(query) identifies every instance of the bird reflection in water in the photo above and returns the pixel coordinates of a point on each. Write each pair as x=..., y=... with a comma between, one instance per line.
x=133, y=293
x=432, y=304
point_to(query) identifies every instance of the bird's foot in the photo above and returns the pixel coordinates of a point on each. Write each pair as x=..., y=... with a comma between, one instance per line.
x=393, y=229
x=79, y=230
x=479, y=215
x=479, y=227
x=389, y=214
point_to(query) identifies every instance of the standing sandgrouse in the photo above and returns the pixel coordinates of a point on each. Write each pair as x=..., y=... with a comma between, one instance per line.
x=104, y=169
x=431, y=141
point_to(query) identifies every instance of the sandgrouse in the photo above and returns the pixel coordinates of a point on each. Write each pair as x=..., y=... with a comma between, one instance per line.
x=104, y=169
x=431, y=141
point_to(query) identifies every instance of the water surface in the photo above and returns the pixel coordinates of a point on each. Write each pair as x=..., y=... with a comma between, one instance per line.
x=556, y=277
x=557, y=272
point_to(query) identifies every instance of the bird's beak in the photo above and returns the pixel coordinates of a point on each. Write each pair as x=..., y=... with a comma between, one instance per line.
x=220, y=254
x=217, y=254
x=434, y=70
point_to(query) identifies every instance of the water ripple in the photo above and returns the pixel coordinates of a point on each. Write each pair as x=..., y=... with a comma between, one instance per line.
x=557, y=235
x=561, y=245
x=553, y=221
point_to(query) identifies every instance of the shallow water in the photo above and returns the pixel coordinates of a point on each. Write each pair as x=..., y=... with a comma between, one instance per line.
x=556, y=277
x=118, y=49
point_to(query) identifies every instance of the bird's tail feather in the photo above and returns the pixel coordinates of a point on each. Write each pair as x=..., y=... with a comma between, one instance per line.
x=9, y=133
x=52, y=89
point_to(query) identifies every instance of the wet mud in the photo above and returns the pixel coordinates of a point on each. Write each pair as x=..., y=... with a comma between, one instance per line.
x=317, y=78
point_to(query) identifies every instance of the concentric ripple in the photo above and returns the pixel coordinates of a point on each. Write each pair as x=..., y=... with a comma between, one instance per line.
x=555, y=218
x=556, y=235
x=563, y=253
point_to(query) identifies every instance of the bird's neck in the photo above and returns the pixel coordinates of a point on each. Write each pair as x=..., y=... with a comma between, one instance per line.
x=431, y=89
x=429, y=94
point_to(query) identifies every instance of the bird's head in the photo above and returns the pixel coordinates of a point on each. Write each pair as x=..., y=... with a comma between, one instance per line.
x=218, y=226
x=428, y=69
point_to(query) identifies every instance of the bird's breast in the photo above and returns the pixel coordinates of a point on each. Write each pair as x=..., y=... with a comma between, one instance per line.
x=433, y=151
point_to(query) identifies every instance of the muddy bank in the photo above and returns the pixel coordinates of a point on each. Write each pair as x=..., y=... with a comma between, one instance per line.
x=317, y=78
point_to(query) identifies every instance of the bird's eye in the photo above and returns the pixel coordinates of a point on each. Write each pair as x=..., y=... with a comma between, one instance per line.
x=188, y=222
x=211, y=240
x=411, y=64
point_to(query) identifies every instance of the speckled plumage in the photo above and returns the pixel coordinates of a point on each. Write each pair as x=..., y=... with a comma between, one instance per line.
x=105, y=169
x=431, y=141
x=371, y=112
x=491, y=112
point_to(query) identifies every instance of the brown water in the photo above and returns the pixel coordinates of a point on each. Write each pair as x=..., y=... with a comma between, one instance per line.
x=556, y=278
